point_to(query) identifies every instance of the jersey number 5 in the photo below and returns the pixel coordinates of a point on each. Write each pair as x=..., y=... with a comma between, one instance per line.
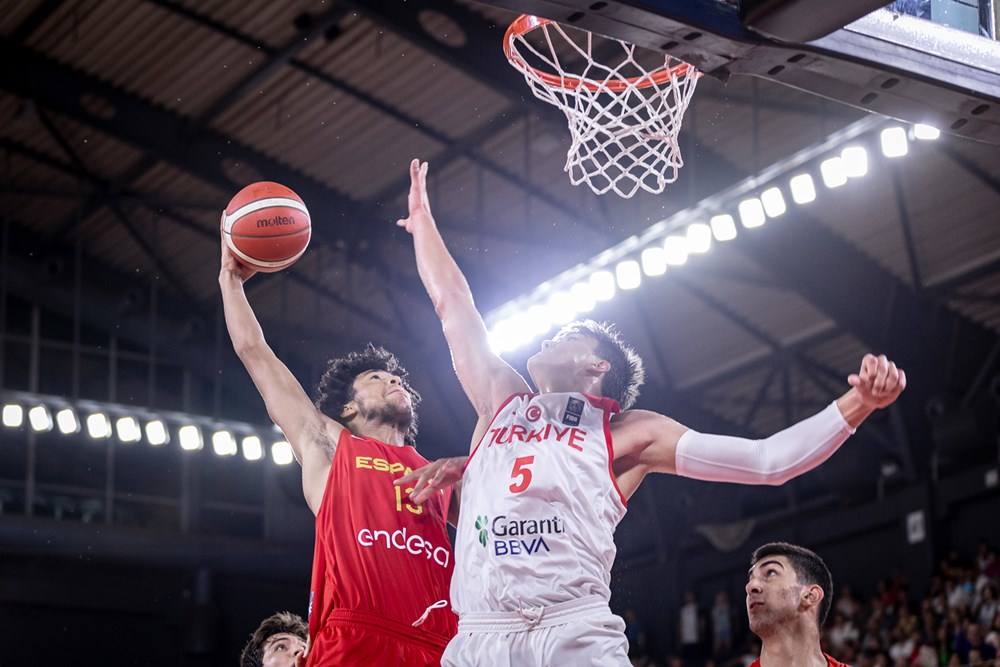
x=522, y=472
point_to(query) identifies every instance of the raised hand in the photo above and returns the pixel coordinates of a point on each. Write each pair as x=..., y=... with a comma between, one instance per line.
x=230, y=265
x=433, y=477
x=419, y=203
x=879, y=382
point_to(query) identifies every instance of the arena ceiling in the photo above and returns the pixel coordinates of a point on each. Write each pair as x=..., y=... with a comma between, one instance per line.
x=125, y=128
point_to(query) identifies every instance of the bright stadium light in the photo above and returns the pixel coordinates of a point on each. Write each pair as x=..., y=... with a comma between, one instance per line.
x=190, y=437
x=926, y=132
x=128, y=429
x=560, y=307
x=894, y=143
x=699, y=238
x=723, y=227
x=223, y=443
x=67, y=421
x=582, y=297
x=40, y=419
x=628, y=274
x=98, y=426
x=156, y=433
x=654, y=261
x=675, y=250
x=803, y=189
x=855, y=161
x=833, y=172
x=281, y=453
x=603, y=283
x=252, y=448
x=538, y=320
x=751, y=213
x=773, y=202
x=13, y=415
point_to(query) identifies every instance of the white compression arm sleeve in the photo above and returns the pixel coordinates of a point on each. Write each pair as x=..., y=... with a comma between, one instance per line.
x=774, y=460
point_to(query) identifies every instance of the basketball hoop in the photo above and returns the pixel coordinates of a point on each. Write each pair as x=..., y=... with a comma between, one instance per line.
x=624, y=116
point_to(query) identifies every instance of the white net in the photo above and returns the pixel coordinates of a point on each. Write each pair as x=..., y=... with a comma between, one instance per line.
x=624, y=116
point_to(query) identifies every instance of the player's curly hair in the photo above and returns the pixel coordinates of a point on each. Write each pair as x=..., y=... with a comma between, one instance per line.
x=281, y=622
x=626, y=375
x=336, y=386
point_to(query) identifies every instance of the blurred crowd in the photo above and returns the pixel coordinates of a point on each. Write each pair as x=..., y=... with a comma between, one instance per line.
x=955, y=624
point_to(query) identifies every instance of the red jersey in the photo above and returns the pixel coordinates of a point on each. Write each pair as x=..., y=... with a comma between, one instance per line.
x=829, y=661
x=376, y=553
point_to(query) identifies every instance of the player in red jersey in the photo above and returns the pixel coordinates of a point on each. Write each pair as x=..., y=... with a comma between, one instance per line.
x=381, y=565
x=789, y=593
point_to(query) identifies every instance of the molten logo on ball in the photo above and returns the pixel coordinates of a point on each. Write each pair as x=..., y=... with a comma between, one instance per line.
x=277, y=220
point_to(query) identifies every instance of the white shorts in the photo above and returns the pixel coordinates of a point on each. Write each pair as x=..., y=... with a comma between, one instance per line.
x=582, y=633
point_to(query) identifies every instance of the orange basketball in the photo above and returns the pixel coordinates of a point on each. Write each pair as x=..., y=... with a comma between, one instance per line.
x=267, y=226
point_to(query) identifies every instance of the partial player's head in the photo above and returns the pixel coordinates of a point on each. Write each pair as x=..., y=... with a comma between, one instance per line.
x=584, y=350
x=785, y=583
x=277, y=642
x=371, y=385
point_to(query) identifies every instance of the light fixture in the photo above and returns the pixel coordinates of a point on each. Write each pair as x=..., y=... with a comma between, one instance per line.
x=855, y=161
x=189, y=436
x=603, y=283
x=654, y=261
x=803, y=189
x=538, y=320
x=281, y=453
x=156, y=433
x=98, y=426
x=893, y=141
x=40, y=419
x=560, y=307
x=128, y=429
x=67, y=421
x=628, y=274
x=675, y=250
x=833, y=173
x=751, y=213
x=223, y=443
x=252, y=448
x=13, y=415
x=773, y=202
x=581, y=296
x=723, y=227
x=926, y=132
x=699, y=238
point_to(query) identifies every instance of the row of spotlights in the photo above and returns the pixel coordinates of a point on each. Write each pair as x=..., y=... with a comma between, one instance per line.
x=99, y=426
x=602, y=285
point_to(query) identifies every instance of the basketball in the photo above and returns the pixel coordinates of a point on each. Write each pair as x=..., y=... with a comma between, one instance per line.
x=267, y=226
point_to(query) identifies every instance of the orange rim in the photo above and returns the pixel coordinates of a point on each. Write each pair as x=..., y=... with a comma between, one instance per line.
x=525, y=23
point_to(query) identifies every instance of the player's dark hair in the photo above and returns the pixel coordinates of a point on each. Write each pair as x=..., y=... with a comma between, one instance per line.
x=626, y=375
x=281, y=622
x=809, y=568
x=336, y=387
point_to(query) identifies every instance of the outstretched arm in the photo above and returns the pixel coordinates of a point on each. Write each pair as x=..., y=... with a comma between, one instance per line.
x=312, y=435
x=654, y=443
x=485, y=377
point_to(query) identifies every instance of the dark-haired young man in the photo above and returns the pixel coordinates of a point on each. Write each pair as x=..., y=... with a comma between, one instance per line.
x=789, y=593
x=549, y=474
x=382, y=564
x=279, y=641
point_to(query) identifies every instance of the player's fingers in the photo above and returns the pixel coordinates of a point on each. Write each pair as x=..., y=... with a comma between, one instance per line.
x=853, y=379
x=902, y=379
x=408, y=478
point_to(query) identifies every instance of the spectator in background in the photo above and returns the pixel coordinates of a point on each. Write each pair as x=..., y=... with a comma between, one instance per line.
x=689, y=630
x=279, y=641
x=722, y=625
x=842, y=632
x=993, y=636
x=958, y=596
x=987, y=609
x=635, y=633
x=970, y=640
x=846, y=604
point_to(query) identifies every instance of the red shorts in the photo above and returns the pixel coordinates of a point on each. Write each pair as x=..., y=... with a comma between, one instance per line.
x=361, y=638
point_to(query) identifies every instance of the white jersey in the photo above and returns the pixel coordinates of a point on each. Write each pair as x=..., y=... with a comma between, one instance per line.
x=539, y=506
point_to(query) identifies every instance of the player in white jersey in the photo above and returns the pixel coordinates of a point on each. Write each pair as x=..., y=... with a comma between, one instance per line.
x=550, y=472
